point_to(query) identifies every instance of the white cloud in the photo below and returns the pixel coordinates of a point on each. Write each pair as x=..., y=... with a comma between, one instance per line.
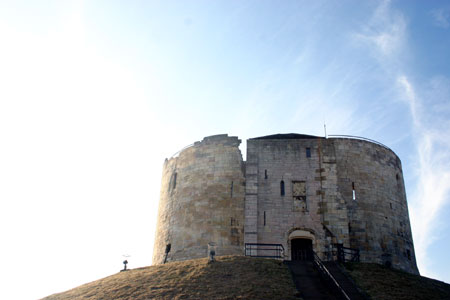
x=433, y=169
x=385, y=31
x=441, y=17
x=386, y=36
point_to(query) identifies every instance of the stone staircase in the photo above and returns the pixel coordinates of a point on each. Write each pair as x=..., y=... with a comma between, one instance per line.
x=308, y=281
x=312, y=286
x=344, y=281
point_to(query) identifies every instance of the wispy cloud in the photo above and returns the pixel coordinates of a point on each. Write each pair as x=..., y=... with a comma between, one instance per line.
x=386, y=35
x=385, y=31
x=433, y=169
x=441, y=17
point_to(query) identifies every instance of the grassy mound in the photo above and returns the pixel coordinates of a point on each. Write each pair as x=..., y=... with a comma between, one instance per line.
x=239, y=277
x=230, y=277
x=380, y=282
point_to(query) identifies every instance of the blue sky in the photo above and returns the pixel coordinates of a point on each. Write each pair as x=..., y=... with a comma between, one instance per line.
x=95, y=95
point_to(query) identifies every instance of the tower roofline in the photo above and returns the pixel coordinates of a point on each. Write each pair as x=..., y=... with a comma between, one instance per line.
x=287, y=136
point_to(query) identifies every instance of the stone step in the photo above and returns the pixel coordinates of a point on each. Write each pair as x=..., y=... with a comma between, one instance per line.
x=309, y=282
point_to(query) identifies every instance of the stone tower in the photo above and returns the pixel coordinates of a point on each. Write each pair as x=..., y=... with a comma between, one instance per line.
x=202, y=201
x=294, y=190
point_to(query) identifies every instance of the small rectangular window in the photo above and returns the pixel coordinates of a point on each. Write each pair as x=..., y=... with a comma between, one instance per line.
x=265, y=174
x=264, y=218
x=308, y=152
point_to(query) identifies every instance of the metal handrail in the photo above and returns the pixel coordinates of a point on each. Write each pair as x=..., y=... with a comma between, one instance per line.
x=343, y=252
x=179, y=151
x=358, y=138
x=277, y=248
x=324, y=271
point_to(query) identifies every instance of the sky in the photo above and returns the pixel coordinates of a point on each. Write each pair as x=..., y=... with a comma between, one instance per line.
x=94, y=95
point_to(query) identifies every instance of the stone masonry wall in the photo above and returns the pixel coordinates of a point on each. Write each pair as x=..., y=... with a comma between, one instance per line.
x=271, y=216
x=334, y=172
x=333, y=206
x=204, y=203
x=378, y=216
x=336, y=191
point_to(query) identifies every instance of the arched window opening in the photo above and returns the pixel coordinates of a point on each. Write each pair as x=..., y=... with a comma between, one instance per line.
x=282, y=188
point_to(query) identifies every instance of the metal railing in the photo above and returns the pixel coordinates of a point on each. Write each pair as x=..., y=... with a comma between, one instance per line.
x=328, y=277
x=264, y=250
x=357, y=138
x=345, y=254
x=179, y=151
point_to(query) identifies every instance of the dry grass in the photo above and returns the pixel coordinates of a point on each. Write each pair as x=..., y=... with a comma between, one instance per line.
x=230, y=277
x=382, y=283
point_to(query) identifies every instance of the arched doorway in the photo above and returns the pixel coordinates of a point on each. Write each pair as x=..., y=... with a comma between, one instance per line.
x=301, y=249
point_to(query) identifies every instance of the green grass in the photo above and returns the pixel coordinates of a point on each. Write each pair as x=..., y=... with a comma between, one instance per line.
x=380, y=282
x=230, y=277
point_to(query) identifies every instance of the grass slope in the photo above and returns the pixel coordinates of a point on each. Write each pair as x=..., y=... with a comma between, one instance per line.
x=239, y=277
x=230, y=277
x=380, y=282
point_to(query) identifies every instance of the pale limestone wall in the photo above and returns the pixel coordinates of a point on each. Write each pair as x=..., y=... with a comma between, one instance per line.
x=332, y=216
x=207, y=203
x=201, y=208
x=378, y=218
x=282, y=160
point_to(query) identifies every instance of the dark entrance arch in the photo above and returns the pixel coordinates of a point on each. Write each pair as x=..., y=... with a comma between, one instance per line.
x=301, y=249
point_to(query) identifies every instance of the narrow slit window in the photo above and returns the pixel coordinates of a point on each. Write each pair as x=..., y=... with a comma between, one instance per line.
x=168, y=246
x=353, y=191
x=173, y=182
x=265, y=174
x=282, y=188
x=264, y=218
x=308, y=152
x=231, y=190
